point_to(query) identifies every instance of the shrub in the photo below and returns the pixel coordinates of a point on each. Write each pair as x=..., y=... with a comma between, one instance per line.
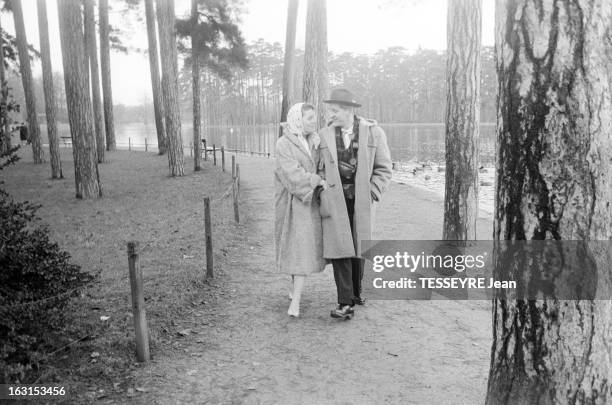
x=37, y=282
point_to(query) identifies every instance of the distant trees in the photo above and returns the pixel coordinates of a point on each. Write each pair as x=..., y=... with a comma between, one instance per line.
x=289, y=61
x=5, y=129
x=462, y=119
x=195, y=78
x=49, y=89
x=86, y=175
x=170, y=97
x=26, y=79
x=315, y=77
x=553, y=183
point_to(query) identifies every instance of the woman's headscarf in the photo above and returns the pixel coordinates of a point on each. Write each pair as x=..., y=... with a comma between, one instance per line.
x=294, y=123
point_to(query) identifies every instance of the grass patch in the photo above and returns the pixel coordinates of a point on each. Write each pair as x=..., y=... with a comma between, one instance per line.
x=142, y=203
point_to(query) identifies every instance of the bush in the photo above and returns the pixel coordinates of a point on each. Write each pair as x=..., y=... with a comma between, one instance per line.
x=37, y=282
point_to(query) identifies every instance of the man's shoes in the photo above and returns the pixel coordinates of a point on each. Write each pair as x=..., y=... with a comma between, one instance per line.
x=359, y=301
x=342, y=312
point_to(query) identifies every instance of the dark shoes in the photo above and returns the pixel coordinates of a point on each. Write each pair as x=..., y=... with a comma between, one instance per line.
x=359, y=301
x=342, y=312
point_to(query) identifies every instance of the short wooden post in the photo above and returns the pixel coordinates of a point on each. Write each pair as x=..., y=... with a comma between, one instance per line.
x=208, y=231
x=238, y=177
x=214, y=155
x=233, y=166
x=138, y=304
x=223, y=158
x=205, y=150
x=235, y=197
x=129, y=143
x=191, y=149
x=146, y=145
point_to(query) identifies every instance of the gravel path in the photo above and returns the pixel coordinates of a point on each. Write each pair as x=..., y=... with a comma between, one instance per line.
x=243, y=348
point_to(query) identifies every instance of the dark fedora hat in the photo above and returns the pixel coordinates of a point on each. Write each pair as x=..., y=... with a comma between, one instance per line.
x=342, y=97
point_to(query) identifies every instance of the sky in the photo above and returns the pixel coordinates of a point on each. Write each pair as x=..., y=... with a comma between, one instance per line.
x=358, y=26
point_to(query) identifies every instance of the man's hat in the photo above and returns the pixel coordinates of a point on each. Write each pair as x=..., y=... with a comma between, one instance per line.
x=342, y=97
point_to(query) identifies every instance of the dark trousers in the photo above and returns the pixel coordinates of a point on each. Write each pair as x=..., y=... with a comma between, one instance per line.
x=348, y=272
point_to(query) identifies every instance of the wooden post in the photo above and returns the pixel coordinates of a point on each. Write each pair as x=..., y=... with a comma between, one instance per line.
x=190, y=148
x=235, y=197
x=233, y=166
x=205, y=150
x=238, y=177
x=214, y=155
x=146, y=145
x=129, y=143
x=138, y=304
x=223, y=158
x=208, y=230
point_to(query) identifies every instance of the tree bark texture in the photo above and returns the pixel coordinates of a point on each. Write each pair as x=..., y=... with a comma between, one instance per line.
x=92, y=53
x=315, y=80
x=554, y=157
x=289, y=62
x=464, y=21
x=167, y=42
x=195, y=74
x=107, y=92
x=26, y=79
x=86, y=175
x=158, y=104
x=49, y=90
x=5, y=142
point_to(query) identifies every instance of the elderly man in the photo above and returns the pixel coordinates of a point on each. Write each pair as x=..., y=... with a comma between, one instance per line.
x=355, y=161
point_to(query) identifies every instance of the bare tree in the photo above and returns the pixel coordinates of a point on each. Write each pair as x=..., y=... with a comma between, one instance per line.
x=91, y=48
x=167, y=46
x=107, y=93
x=86, y=177
x=315, y=58
x=464, y=21
x=5, y=142
x=26, y=79
x=195, y=77
x=158, y=104
x=554, y=168
x=289, y=63
x=50, y=103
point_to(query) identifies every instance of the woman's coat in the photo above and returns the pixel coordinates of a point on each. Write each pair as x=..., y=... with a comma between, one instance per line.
x=298, y=233
x=374, y=170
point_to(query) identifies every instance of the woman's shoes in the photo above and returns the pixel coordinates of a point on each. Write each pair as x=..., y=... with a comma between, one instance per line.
x=293, y=314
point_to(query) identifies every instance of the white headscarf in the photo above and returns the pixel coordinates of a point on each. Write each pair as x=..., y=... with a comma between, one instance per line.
x=294, y=124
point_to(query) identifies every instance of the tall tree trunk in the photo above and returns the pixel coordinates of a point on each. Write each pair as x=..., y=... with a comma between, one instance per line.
x=158, y=104
x=195, y=73
x=86, y=177
x=107, y=92
x=167, y=46
x=92, y=52
x=289, y=61
x=315, y=79
x=5, y=142
x=464, y=21
x=554, y=173
x=26, y=79
x=49, y=89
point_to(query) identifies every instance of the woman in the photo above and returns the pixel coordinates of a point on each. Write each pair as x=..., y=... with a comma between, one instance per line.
x=298, y=234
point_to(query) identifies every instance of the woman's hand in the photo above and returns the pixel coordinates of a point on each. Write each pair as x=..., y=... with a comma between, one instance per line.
x=324, y=184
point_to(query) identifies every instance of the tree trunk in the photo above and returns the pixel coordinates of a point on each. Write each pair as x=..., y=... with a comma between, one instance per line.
x=158, y=104
x=167, y=46
x=195, y=73
x=107, y=92
x=553, y=182
x=26, y=79
x=49, y=89
x=86, y=177
x=92, y=50
x=462, y=119
x=315, y=78
x=5, y=141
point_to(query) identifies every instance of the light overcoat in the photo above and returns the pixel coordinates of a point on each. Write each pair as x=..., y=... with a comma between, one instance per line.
x=374, y=170
x=298, y=233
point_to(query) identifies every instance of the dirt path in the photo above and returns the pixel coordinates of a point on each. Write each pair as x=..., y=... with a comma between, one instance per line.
x=245, y=349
